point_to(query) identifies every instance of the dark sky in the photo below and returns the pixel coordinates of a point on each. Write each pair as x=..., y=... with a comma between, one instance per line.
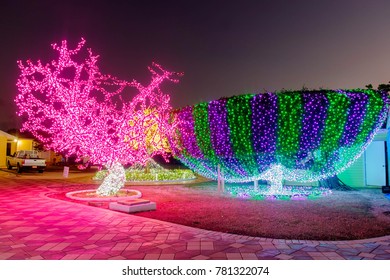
x=224, y=48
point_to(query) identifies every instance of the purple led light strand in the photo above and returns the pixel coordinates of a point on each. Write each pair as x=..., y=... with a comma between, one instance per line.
x=264, y=126
x=219, y=129
x=185, y=147
x=356, y=113
x=313, y=122
x=187, y=131
x=264, y=122
x=220, y=135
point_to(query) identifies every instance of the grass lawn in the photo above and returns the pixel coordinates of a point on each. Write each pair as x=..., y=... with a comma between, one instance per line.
x=342, y=215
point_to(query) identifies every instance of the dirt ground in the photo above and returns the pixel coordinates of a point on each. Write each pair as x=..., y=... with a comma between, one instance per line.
x=342, y=215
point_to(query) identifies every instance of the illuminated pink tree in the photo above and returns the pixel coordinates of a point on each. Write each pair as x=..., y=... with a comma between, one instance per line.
x=73, y=108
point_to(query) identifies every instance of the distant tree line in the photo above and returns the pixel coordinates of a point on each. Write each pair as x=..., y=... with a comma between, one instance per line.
x=383, y=87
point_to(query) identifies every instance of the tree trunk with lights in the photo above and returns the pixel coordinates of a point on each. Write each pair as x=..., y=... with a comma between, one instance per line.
x=114, y=181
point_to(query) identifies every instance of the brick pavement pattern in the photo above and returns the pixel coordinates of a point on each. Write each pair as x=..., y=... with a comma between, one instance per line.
x=33, y=226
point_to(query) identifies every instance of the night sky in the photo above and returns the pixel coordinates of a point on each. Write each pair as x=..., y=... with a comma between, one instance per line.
x=224, y=48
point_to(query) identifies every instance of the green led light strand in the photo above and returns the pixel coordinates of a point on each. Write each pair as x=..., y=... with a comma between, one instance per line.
x=202, y=131
x=289, y=127
x=239, y=120
x=334, y=128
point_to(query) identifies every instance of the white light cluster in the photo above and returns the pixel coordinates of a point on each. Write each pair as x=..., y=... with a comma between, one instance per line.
x=114, y=180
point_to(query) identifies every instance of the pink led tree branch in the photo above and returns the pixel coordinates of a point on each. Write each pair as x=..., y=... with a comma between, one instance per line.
x=73, y=108
x=151, y=126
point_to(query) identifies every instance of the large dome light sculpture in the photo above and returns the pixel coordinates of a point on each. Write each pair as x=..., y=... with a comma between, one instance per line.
x=301, y=136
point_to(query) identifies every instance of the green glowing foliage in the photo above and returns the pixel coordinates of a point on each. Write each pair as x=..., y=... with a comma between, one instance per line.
x=239, y=120
x=335, y=121
x=289, y=127
x=202, y=130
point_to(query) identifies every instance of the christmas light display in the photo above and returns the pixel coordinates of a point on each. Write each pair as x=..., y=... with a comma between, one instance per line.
x=263, y=192
x=73, y=108
x=155, y=172
x=145, y=127
x=301, y=136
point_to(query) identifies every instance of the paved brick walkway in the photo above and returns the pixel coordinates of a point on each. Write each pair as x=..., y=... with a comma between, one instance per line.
x=33, y=226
